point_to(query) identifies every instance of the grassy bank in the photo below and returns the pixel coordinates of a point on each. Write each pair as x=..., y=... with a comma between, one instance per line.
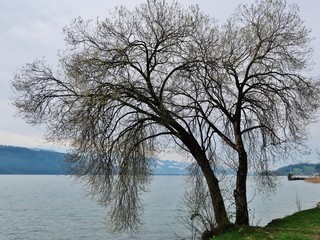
x=304, y=225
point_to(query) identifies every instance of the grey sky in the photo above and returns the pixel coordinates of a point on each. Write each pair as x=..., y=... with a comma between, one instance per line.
x=32, y=29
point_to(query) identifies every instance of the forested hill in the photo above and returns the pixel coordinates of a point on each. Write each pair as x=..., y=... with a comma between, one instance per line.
x=19, y=160
x=299, y=169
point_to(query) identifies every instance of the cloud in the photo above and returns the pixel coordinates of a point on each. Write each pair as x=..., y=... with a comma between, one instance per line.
x=17, y=139
x=31, y=29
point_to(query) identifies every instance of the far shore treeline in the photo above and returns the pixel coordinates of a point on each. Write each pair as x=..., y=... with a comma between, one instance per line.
x=20, y=160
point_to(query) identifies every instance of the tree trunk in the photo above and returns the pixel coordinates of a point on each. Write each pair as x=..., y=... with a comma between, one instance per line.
x=240, y=193
x=200, y=156
x=217, y=199
x=220, y=212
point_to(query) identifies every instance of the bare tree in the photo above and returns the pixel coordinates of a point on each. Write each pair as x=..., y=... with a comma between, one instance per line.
x=115, y=98
x=160, y=72
x=255, y=96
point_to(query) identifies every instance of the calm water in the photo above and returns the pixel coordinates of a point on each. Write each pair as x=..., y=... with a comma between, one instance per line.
x=54, y=207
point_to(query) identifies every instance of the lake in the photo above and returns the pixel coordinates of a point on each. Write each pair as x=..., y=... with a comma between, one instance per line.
x=34, y=207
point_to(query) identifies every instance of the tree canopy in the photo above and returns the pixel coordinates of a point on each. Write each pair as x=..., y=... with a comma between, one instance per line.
x=236, y=94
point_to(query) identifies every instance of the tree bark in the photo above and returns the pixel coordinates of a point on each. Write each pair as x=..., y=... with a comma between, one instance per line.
x=221, y=216
x=240, y=193
x=220, y=212
x=215, y=193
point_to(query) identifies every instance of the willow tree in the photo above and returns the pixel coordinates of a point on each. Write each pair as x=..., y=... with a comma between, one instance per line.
x=255, y=83
x=138, y=78
x=114, y=99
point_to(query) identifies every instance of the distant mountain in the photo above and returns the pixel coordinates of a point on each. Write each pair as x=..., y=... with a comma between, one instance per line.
x=167, y=167
x=299, y=169
x=20, y=160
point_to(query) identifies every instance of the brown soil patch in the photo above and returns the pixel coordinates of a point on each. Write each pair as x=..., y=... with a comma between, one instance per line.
x=313, y=180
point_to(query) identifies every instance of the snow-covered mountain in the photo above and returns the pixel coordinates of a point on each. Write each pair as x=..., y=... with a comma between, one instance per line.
x=169, y=167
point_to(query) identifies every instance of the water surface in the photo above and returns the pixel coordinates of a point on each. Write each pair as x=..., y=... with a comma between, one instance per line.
x=55, y=207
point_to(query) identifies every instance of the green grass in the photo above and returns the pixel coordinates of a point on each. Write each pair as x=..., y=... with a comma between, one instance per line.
x=304, y=225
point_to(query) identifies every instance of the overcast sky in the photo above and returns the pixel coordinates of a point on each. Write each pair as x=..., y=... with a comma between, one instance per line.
x=31, y=29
